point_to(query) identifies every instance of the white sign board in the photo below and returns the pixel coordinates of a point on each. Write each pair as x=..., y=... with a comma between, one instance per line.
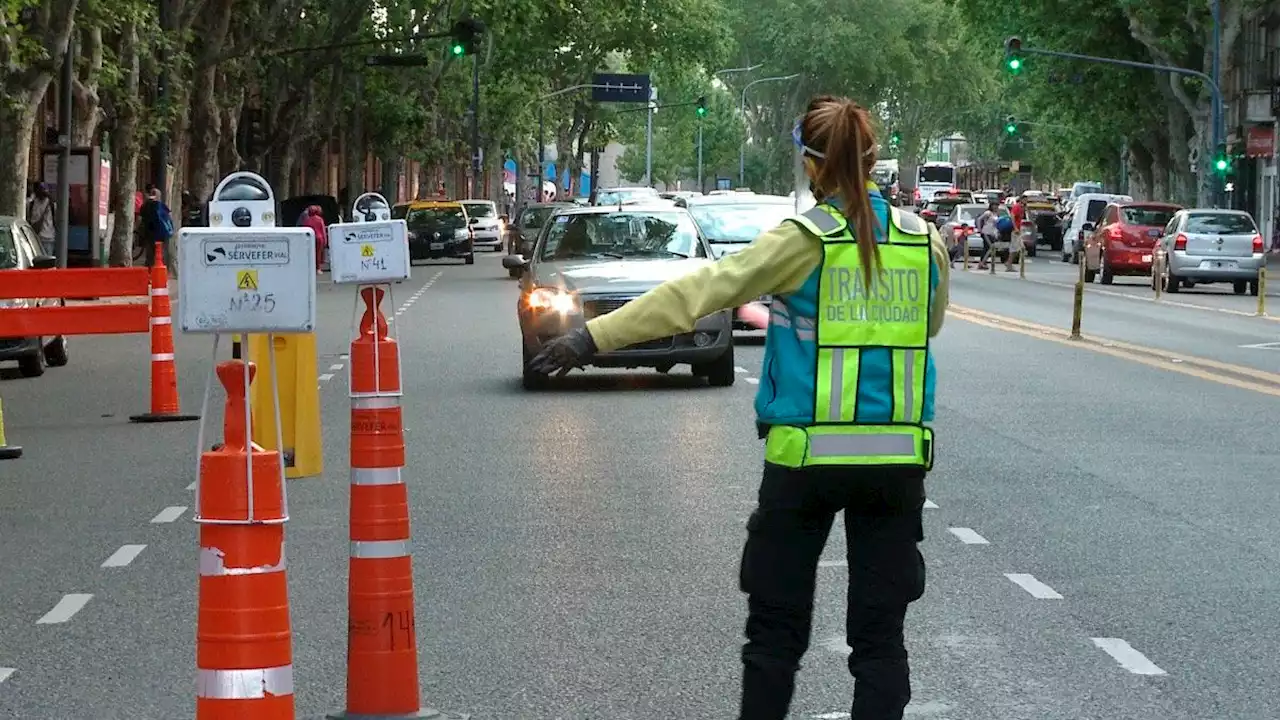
x=369, y=252
x=247, y=280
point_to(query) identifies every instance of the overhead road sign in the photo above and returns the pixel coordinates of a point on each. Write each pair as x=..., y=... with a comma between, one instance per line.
x=620, y=88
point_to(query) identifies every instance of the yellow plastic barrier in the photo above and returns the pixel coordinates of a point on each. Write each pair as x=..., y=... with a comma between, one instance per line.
x=299, y=402
x=1262, y=296
x=7, y=451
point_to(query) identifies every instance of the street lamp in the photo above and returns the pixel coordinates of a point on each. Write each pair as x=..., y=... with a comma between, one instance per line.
x=730, y=71
x=742, y=110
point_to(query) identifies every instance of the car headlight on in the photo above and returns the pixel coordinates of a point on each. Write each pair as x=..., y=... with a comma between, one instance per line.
x=553, y=300
x=461, y=233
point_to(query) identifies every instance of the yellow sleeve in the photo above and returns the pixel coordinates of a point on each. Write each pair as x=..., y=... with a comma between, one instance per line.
x=779, y=261
x=942, y=293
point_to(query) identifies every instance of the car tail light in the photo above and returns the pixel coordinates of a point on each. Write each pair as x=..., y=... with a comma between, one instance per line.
x=1113, y=233
x=1257, y=243
x=1180, y=242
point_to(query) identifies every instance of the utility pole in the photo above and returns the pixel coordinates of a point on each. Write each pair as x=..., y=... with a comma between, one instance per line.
x=701, y=188
x=742, y=111
x=65, y=118
x=648, y=137
x=542, y=154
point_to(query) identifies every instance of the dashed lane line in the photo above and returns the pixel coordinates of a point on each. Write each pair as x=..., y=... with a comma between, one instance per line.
x=1129, y=659
x=833, y=563
x=192, y=486
x=66, y=608
x=6, y=673
x=1037, y=589
x=740, y=370
x=968, y=536
x=169, y=514
x=324, y=377
x=753, y=381
x=335, y=367
x=125, y=555
x=930, y=505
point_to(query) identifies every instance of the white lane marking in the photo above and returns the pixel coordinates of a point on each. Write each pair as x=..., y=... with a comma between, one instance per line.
x=1263, y=346
x=1129, y=659
x=968, y=536
x=6, y=672
x=192, y=486
x=832, y=716
x=67, y=607
x=930, y=505
x=400, y=312
x=1032, y=585
x=169, y=514
x=335, y=366
x=324, y=377
x=739, y=369
x=343, y=357
x=753, y=381
x=125, y=555
x=833, y=563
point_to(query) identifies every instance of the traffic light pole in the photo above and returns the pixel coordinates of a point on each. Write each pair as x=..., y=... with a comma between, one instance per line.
x=475, y=124
x=701, y=187
x=1214, y=90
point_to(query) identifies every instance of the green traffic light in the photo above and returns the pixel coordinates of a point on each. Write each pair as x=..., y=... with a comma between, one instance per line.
x=458, y=49
x=1222, y=164
x=1015, y=65
x=1011, y=128
x=702, y=111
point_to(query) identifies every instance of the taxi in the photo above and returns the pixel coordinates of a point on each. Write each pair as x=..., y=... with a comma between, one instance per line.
x=438, y=229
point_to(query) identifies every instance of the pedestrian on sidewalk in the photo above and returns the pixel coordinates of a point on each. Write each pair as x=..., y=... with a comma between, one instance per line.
x=157, y=226
x=40, y=215
x=314, y=219
x=844, y=412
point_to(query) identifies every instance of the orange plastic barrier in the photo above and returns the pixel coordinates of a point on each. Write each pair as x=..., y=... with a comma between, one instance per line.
x=244, y=650
x=382, y=648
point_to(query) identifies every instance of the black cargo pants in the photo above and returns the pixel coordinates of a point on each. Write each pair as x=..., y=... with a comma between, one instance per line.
x=785, y=537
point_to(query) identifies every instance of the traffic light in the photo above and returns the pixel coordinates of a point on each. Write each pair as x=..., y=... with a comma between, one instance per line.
x=465, y=36
x=702, y=106
x=1222, y=161
x=895, y=138
x=1013, y=55
x=1011, y=125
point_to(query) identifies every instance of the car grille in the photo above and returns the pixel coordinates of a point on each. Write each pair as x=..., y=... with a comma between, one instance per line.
x=602, y=306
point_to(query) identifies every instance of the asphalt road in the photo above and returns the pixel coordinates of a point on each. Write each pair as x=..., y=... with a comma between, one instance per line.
x=1101, y=539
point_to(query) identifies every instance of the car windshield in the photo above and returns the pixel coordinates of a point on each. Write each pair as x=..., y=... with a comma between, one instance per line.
x=967, y=213
x=620, y=235
x=619, y=197
x=1094, y=211
x=1220, y=224
x=436, y=218
x=536, y=217
x=8, y=250
x=734, y=223
x=480, y=210
x=1153, y=216
x=942, y=207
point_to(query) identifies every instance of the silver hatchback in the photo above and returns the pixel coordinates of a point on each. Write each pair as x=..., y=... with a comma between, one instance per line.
x=1202, y=245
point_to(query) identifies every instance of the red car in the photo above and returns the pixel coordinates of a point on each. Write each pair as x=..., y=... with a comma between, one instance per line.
x=1124, y=239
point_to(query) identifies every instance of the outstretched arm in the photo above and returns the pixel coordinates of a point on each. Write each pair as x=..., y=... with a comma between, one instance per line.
x=778, y=261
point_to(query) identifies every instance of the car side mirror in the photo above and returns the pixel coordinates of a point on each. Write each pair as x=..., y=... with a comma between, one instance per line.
x=1088, y=227
x=514, y=262
x=44, y=262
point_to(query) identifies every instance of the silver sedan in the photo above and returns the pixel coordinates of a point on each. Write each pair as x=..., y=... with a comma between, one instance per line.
x=591, y=261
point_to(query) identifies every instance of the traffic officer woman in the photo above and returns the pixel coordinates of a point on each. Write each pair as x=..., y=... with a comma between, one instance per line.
x=845, y=399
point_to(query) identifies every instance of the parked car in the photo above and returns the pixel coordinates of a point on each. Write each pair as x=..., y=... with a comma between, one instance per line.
x=592, y=261
x=20, y=251
x=1124, y=240
x=485, y=224
x=1201, y=246
x=523, y=233
x=437, y=229
x=1081, y=219
x=626, y=196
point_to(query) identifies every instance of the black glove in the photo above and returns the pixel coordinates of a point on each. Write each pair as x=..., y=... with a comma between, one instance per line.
x=564, y=353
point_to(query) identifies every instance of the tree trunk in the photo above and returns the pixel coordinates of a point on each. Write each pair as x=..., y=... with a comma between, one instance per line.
x=281, y=179
x=205, y=135
x=229, y=159
x=1140, y=172
x=85, y=90
x=15, y=145
x=389, y=183
x=125, y=146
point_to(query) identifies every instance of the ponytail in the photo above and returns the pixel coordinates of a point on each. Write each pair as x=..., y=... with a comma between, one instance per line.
x=841, y=130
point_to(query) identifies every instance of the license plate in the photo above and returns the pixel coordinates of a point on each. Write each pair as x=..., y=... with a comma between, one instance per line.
x=1220, y=264
x=1153, y=233
x=437, y=246
x=1146, y=258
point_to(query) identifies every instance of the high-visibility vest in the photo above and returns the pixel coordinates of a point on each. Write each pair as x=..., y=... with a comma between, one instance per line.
x=892, y=312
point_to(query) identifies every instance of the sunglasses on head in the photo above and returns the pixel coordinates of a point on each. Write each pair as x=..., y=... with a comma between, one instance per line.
x=799, y=141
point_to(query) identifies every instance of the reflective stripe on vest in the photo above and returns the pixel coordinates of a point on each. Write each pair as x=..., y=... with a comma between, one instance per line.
x=890, y=312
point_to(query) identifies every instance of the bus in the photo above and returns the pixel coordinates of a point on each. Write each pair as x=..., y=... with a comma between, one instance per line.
x=933, y=178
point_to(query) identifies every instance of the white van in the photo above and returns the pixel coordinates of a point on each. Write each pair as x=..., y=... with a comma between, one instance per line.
x=1083, y=217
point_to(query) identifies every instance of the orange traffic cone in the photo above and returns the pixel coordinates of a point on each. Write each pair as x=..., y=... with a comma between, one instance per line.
x=382, y=648
x=164, y=370
x=244, y=649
